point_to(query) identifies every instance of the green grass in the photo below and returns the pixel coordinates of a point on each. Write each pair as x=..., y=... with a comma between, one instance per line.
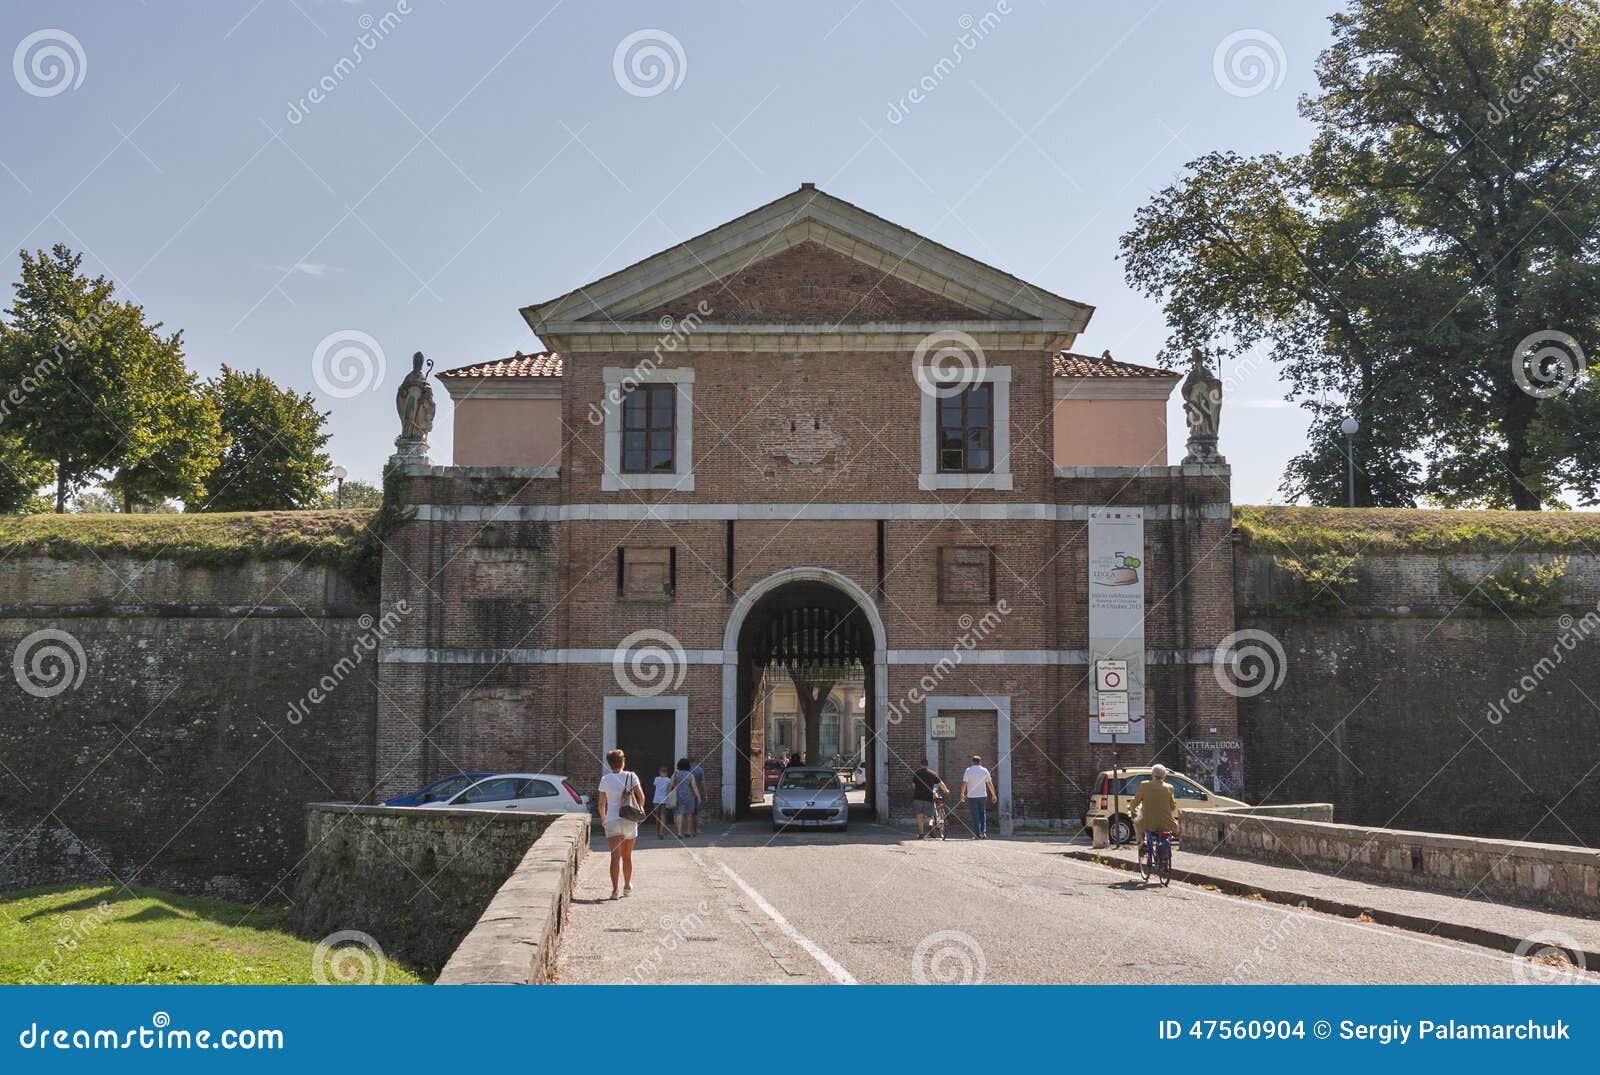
x=103, y=935
x=323, y=537
x=1306, y=531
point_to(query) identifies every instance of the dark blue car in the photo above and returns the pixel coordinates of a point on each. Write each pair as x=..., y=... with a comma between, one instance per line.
x=437, y=791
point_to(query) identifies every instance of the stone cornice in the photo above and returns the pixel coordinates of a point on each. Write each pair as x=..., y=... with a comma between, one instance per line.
x=462, y=388
x=576, y=337
x=1114, y=387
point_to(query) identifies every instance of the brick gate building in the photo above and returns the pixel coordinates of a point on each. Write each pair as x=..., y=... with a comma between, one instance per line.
x=807, y=439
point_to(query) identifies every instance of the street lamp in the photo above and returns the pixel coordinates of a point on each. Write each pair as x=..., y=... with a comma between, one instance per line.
x=1349, y=427
x=339, y=475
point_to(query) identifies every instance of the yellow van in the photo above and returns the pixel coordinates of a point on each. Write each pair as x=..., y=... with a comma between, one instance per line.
x=1113, y=798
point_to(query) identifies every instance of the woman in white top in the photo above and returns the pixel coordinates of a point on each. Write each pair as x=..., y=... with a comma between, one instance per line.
x=616, y=788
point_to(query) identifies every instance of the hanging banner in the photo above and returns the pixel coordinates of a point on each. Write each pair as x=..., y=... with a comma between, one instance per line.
x=1116, y=612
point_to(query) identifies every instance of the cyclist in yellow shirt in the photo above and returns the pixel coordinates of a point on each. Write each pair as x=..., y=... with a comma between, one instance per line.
x=1155, y=807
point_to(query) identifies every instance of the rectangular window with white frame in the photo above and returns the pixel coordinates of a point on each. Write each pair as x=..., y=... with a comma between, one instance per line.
x=966, y=433
x=649, y=429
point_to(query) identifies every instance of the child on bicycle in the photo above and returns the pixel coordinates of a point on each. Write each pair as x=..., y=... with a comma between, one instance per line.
x=1155, y=807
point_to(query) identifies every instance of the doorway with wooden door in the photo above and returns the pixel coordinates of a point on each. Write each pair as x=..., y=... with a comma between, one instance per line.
x=646, y=736
x=977, y=732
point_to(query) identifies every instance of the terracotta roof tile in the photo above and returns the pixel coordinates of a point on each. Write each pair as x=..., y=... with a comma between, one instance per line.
x=542, y=364
x=1067, y=364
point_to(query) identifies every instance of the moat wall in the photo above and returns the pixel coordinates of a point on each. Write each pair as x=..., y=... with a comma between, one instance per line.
x=183, y=743
x=1414, y=706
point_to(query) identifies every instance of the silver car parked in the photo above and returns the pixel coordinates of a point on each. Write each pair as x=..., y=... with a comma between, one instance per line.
x=809, y=796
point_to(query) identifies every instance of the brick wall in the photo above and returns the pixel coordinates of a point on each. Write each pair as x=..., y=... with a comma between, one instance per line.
x=177, y=760
x=1402, y=709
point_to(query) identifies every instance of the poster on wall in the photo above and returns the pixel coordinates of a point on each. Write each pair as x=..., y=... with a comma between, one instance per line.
x=1116, y=611
x=1216, y=763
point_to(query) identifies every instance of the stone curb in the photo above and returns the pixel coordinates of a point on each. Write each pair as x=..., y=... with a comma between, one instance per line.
x=515, y=939
x=1454, y=931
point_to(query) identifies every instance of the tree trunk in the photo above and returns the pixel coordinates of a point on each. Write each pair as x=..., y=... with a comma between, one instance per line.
x=61, y=489
x=811, y=695
x=1518, y=420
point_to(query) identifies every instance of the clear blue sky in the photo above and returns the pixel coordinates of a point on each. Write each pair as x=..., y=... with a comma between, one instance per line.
x=483, y=156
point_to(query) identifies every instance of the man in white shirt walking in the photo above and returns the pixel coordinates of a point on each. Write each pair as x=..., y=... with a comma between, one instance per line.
x=977, y=787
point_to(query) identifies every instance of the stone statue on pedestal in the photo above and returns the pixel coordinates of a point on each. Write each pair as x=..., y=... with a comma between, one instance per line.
x=1202, y=409
x=414, y=402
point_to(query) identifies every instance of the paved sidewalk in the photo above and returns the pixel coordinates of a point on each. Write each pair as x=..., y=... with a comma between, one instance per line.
x=686, y=922
x=1476, y=921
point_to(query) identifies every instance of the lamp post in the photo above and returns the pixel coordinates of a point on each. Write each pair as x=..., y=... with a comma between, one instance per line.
x=1349, y=427
x=339, y=475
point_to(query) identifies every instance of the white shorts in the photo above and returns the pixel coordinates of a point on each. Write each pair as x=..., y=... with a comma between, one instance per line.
x=621, y=826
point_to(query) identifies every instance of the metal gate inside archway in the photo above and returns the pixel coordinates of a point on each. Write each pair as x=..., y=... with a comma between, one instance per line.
x=809, y=647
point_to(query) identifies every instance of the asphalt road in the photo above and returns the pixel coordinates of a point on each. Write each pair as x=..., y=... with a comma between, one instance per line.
x=739, y=905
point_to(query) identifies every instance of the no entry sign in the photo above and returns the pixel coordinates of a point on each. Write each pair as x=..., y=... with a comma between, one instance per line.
x=1110, y=675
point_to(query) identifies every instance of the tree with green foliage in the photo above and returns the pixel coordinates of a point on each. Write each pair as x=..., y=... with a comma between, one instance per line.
x=186, y=438
x=88, y=383
x=22, y=475
x=360, y=494
x=1428, y=265
x=274, y=459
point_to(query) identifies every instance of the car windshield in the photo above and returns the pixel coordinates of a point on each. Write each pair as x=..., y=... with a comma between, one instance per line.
x=809, y=780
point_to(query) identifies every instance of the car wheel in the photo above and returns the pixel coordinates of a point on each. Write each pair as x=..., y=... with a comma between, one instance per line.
x=1120, y=830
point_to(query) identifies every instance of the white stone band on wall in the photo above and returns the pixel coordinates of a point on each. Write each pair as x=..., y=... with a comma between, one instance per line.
x=924, y=512
x=490, y=655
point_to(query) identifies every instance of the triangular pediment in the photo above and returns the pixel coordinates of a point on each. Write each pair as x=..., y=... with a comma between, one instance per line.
x=810, y=283
x=807, y=259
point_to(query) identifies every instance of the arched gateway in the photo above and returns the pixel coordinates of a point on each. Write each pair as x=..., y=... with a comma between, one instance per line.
x=800, y=617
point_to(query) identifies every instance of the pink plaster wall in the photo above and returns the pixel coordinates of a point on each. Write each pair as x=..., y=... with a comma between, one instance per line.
x=507, y=433
x=1111, y=433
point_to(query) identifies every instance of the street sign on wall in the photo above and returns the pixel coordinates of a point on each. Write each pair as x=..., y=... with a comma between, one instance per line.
x=1114, y=712
x=1116, y=578
x=1110, y=675
x=942, y=727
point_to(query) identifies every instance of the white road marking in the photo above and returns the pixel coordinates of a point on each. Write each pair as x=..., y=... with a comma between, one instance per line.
x=829, y=964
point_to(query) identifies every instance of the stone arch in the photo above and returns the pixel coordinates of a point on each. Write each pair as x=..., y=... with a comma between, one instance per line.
x=746, y=604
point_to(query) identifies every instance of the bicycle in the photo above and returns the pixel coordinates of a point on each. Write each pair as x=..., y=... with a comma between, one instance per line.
x=938, y=823
x=1157, y=856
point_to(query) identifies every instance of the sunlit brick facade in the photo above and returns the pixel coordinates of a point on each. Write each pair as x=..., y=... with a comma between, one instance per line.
x=792, y=460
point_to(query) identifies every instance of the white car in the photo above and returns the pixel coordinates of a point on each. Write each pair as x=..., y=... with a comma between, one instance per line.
x=809, y=797
x=537, y=793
